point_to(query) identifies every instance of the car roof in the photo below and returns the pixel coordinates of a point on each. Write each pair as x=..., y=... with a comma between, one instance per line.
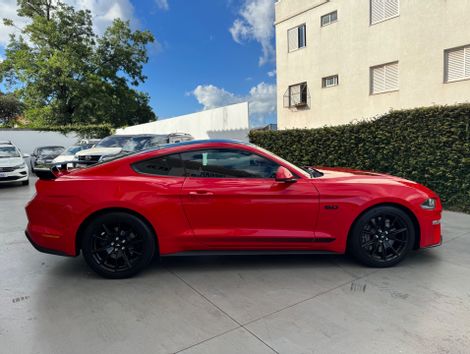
x=48, y=147
x=135, y=135
x=7, y=145
x=5, y=142
x=207, y=141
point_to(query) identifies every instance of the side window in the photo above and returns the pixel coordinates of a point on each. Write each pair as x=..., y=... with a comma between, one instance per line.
x=169, y=165
x=227, y=163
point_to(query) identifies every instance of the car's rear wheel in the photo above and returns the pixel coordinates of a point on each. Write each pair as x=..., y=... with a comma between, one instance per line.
x=382, y=237
x=118, y=245
x=25, y=183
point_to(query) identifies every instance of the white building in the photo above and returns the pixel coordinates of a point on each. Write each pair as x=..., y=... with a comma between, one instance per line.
x=342, y=60
x=229, y=122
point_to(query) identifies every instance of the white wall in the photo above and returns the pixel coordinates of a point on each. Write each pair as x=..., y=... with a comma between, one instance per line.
x=416, y=38
x=27, y=140
x=229, y=122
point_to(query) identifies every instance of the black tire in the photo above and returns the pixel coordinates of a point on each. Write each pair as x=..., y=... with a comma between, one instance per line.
x=118, y=245
x=382, y=237
x=25, y=183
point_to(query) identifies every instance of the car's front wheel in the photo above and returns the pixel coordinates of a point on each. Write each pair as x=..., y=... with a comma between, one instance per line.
x=118, y=245
x=382, y=237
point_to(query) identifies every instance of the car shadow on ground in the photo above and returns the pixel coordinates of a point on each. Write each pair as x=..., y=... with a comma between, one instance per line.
x=77, y=268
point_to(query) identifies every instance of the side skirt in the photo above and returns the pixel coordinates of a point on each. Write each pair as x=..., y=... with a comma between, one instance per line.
x=243, y=253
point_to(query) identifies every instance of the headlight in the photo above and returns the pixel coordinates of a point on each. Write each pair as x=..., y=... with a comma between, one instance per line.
x=429, y=204
x=23, y=165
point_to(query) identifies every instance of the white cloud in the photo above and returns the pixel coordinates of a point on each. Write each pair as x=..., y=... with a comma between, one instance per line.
x=272, y=73
x=163, y=4
x=211, y=96
x=103, y=12
x=256, y=22
x=261, y=98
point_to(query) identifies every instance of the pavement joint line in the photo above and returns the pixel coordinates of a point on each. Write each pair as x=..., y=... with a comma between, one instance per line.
x=240, y=325
x=221, y=310
x=466, y=233
x=311, y=297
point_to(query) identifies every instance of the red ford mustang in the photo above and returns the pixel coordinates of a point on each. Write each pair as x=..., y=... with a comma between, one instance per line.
x=204, y=197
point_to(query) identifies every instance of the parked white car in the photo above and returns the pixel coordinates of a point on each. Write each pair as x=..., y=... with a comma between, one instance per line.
x=69, y=153
x=13, y=166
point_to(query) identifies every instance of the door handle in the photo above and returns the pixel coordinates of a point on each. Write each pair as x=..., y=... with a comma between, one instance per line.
x=201, y=193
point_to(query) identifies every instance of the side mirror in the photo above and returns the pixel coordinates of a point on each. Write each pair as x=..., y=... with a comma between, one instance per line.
x=284, y=175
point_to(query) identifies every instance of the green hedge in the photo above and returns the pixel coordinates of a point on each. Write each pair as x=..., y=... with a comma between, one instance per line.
x=96, y=131
x=427, y=145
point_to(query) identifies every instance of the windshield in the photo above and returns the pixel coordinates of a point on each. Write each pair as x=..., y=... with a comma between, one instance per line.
x=127, y=143
x=294, y=167
x=9, y=151
x=50, y=151
x=72, y=150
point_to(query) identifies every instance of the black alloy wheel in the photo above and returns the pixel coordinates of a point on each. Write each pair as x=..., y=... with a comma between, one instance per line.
x=382, y=237
x=118, y=245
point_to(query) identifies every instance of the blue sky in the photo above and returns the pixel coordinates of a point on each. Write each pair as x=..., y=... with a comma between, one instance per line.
x=208, y=52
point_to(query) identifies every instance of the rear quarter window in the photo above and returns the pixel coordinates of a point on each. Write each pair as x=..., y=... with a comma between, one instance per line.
x=169, y=165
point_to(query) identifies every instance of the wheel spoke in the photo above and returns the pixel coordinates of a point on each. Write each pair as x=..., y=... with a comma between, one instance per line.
x=375, y=249
x=384, y=252
x=126, y=259
x=98, y=250
x=369, y=243
x=397, y=231
x=393, y=249
x=107, y=230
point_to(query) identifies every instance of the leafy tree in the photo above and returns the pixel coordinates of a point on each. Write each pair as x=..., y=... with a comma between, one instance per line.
x=66, y=74
x=10, y=109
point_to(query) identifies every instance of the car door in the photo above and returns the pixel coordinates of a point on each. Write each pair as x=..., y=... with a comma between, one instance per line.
x=232, y=201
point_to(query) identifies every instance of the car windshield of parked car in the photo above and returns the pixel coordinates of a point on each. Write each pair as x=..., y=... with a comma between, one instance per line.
x=72, y=150
x=50, y=151
x=9, y=151
x=127, y=143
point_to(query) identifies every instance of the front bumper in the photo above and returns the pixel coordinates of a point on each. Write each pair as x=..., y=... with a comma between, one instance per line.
x=19, y=175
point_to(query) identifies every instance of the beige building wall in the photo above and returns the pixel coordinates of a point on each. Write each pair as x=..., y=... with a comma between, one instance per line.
x=349, y=47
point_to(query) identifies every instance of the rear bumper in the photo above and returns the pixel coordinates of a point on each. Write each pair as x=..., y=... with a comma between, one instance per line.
x=44, y=249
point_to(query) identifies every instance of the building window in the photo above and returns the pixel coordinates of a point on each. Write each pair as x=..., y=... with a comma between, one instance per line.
x=297, y=38
x=298, y=95
x=330, y=81
x=384, y=78
x=381, y=10
x=328, y=19
x=457, y=64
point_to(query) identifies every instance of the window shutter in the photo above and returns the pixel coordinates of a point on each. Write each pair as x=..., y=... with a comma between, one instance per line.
x=467, y=62
x=377, y=11
x=378, y=79
x=391, y=77
x=385, y=78
x=293, y=38
x=294, y=95
x=381, y=10
x=456, y=68
x=391, y=8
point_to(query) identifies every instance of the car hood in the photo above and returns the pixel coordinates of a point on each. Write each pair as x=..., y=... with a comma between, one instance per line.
x=10, y=161
x=99, y=151
x=358, y=176
x=63, y=158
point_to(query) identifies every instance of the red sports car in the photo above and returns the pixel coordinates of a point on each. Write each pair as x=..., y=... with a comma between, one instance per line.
x=220, y=196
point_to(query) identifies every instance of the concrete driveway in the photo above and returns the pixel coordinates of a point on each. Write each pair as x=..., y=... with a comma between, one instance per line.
x=283, y=304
